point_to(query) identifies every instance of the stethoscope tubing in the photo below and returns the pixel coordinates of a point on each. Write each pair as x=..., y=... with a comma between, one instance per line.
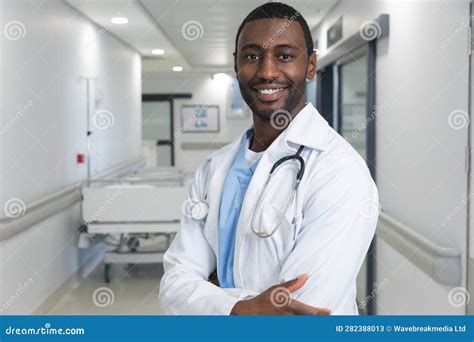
x=299, y=176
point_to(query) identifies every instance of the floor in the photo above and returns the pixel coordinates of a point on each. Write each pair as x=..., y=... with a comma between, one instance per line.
x=133, y=290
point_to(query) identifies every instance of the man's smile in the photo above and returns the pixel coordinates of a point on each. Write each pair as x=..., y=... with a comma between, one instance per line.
x=270, y=92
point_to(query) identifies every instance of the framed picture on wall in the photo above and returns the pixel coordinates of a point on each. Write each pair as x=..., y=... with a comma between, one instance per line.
x=200, y=118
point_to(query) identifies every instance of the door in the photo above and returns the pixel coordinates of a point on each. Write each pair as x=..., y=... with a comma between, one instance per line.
x=157, y=128
x=325, y=94
x=352, y=124
x=353, y=103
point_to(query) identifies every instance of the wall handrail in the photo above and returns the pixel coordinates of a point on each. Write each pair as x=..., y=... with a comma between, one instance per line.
x=441, y=263
x=51, y=204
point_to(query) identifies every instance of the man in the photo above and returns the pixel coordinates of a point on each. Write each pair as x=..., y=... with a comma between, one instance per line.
x=275, y=251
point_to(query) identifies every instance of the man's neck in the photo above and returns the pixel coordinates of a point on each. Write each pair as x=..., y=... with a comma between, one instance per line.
x=265, y=133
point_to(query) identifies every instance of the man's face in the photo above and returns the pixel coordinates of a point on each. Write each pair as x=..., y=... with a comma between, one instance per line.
x=272, y=66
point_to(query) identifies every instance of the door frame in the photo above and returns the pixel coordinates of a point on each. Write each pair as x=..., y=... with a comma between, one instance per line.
x=330, y=63
x=167, y=97
x=369, y=50
x=469, y=310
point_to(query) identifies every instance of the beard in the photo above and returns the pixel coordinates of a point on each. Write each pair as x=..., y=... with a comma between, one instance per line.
x=296, y=92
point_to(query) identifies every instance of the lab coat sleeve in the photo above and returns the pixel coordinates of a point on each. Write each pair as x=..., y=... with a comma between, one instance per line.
x=339, y=220
x=184, y=289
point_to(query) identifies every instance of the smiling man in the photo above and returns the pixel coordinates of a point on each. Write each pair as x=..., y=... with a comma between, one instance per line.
x=274, y=56
x=289, y=244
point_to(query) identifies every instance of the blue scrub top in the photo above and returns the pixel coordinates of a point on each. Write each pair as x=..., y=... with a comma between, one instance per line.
x=235, y=186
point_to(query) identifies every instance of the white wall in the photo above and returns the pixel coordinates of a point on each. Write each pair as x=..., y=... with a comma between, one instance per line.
x=422, y=77
x=43, y=127
x=204, y=90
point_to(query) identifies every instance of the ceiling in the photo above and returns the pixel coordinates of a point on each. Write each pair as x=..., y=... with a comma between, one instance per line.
x=195, y=34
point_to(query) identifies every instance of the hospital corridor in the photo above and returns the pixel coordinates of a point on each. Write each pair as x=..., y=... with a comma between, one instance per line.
x=190, y=157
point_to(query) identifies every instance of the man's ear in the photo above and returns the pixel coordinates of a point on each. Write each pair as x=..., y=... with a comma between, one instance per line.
x=312, y=66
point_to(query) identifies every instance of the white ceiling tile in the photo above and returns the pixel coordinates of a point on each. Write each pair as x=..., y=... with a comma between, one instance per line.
x=208, y=42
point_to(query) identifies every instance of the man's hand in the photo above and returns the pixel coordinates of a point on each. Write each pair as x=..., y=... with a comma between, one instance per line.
x=277, y=301
x=214, y=279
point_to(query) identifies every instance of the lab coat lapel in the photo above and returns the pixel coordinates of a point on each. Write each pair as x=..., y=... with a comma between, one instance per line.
x=218, y=169
x=309, y=129
x=275, y=151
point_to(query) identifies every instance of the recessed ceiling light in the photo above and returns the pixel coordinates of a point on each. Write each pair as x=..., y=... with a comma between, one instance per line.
x=177, y=68
x=158, y=51
x=119, y=20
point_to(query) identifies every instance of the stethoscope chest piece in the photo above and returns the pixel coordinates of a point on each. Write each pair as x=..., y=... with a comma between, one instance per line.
x=199, y=211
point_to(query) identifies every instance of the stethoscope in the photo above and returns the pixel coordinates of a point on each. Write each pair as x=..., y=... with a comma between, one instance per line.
x=200, y=209
x=269, y=232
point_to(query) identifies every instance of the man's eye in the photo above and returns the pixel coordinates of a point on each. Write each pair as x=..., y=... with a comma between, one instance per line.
x=253, y=57
x=285, y=57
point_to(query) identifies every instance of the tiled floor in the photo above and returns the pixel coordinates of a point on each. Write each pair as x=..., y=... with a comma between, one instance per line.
x=133, y=290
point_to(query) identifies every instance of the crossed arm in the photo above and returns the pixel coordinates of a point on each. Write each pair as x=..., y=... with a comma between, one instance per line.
x=334, y=246
x=274, y=301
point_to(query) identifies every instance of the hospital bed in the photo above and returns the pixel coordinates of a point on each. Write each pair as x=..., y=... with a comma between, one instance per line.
x=135, y=214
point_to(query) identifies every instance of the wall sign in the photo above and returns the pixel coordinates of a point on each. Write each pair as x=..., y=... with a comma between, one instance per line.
x=199, y=118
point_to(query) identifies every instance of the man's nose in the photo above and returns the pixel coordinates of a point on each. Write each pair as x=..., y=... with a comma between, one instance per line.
x=268, y=69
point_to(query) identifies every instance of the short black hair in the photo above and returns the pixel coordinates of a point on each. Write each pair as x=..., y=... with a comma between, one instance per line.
x=278, y=10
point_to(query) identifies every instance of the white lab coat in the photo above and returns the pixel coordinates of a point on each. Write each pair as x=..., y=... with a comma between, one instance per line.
x=337, y=208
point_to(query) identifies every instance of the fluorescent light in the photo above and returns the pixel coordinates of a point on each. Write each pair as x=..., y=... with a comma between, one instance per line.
x=158, y=51
x=177, y=68
x=119, y=20
x=219, y=76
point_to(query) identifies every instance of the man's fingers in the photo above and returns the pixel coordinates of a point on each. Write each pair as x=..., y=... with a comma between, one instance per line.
x=295, y=284
x=295, y=307
x=299, y=308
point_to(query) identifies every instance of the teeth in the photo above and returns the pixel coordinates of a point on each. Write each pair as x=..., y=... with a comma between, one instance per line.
x=269, y=91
